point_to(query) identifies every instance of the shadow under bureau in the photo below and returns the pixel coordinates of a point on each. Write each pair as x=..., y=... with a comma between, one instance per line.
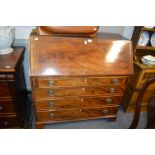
x=78, y=78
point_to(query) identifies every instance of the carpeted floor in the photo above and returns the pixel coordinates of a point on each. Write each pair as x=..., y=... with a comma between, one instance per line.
x=122, y=122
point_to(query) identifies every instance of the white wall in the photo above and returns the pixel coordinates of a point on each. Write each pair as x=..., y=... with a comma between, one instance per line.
x=128, y=31
x=22, y=32
x=112, y=29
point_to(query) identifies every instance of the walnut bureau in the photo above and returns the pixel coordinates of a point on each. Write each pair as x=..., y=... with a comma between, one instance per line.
x=12, y=90
x=78, y=78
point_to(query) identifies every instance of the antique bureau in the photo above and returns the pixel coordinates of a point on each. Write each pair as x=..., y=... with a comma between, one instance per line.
x=12, y=90
x=78, y=78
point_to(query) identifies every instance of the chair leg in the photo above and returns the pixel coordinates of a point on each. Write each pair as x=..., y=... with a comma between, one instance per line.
x=137, y=110
x=135, y=119
x=138, y=106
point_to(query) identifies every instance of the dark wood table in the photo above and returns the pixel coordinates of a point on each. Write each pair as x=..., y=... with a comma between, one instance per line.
x=13, y=97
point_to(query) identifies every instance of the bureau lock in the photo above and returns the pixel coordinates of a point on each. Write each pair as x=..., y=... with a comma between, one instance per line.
x=112, y=90
x=80, y=110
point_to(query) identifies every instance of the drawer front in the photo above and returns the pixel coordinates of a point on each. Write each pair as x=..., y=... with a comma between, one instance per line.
x=69, y=103
x=7, y=107
x=54, y=82
x=79, y=91
x=6, y=78
x=8, y=122
x=4, y=90
x=76, y=114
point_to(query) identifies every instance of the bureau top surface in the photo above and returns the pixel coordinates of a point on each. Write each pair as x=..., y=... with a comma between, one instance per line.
x=9, y=62
x=77, y=56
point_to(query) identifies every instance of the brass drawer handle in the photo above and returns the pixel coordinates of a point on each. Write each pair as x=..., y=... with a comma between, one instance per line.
x=51, y=104
x=112, y=90
x=51, y=115
x=1, y=108
x=108, y=100
x=115, y=81
x=105, y=111
x=51, y=83
x=51, y=92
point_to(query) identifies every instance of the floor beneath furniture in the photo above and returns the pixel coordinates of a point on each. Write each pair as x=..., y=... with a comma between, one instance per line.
x=122, y=122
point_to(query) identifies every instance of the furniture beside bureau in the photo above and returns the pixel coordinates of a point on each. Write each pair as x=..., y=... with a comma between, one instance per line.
x=12, y=90
x=78, y=78
x=142, y=72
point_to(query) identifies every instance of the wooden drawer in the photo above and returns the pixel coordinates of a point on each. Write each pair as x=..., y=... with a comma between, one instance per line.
x=6, y=78
x=4, y=90
x=68, y=103
x=9, y=121
x=84, y=81
x=44, y=93
x=6, y=106
x=76, y=114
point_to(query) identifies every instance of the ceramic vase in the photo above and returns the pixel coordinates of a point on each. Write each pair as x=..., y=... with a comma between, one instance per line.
x=7, y=37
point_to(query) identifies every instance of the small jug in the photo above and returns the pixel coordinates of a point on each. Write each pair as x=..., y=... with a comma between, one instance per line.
x=7, y=37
